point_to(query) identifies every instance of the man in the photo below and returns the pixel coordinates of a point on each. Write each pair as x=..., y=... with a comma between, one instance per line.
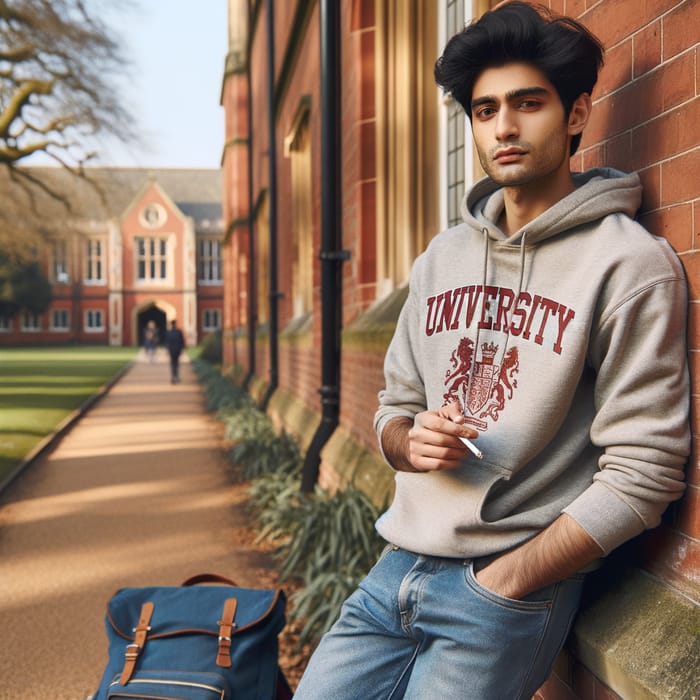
x=175, y=342
x=549, y=329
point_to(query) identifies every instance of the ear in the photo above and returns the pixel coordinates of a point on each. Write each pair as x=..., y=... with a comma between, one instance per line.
x=580, y=113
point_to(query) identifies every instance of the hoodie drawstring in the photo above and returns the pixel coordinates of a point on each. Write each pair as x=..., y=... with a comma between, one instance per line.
x=517, y=294
x=484, y=279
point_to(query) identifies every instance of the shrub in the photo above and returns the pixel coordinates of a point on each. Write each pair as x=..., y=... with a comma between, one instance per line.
x=327, y=543
x=220, y=393
x=211, y=348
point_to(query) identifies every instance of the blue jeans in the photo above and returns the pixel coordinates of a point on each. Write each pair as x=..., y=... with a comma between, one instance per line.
x=423, y=628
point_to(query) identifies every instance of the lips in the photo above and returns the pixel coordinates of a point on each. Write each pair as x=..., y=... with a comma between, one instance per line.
x=506, y=155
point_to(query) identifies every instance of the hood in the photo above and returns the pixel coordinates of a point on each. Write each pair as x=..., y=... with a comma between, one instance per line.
x=599, y=192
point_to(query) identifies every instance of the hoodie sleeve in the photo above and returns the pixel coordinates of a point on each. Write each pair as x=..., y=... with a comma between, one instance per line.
x=404, y=393
x=642, y=400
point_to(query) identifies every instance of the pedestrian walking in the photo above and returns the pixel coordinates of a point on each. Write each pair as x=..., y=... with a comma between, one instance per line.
x=150, y=340
x=175, y=343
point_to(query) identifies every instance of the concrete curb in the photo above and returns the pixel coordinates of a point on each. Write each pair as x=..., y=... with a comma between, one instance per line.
x=62, y=428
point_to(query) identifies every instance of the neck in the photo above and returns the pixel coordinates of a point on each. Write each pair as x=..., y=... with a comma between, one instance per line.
x=524, y=203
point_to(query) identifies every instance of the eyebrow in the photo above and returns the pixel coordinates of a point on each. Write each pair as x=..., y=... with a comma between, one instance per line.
x=512, y=95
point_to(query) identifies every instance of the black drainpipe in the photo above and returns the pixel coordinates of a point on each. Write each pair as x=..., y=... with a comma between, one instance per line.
x=274, y=292
x=252, y=263
x=331, y=255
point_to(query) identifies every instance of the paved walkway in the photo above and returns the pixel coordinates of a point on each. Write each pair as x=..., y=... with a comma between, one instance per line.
x=137, y=493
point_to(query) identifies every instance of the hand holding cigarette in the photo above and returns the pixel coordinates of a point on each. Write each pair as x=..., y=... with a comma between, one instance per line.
x=453, y=412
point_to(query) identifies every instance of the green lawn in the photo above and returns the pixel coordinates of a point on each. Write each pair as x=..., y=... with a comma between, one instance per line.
x=39, y=387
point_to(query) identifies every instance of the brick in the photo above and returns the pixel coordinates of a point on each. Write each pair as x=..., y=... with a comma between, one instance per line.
x=651, y=184
x=574, y=8
x=691, y=263
x=368, y=151
x=666, y=136
x=597, y=129
x=602, y=692
x=362, y=15
x=367, y=107
x=694, y=326
x=674, y=224
x=680, y=177
x=673, y=557
x=678, y=81
x=557, y=6
x=646, y=49
x=636, y=103
x=680, y=28
x=617, y=152
x=694, y=364
x=555, y=689
x=593, y=157
x=612, y=22
x=584, y=682
x=617, y=70
x=688, y=520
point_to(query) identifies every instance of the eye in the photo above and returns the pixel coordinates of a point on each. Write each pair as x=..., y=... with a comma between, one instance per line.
x=484, y=112
x=529, y=104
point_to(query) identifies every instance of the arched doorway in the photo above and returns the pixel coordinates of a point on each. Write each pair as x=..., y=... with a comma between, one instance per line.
x=151, y=313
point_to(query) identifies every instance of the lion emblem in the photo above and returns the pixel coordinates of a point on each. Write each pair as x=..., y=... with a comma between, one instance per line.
x=483, y=386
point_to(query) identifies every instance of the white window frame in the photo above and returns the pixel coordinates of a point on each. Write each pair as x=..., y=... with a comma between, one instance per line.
x=152, y=259
x=95, y=261
x=59, y=261
x=31, y=322
x=210, y=262
x=456, y=173
x=211, y=320
x=6, y=324
x=63, y=327
x=94, y=321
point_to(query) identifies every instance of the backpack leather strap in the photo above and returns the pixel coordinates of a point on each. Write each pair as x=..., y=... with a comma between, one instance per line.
x=226, y=627
x=134, y=649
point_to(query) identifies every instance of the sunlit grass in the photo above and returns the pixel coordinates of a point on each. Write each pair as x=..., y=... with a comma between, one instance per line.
x=40, y=387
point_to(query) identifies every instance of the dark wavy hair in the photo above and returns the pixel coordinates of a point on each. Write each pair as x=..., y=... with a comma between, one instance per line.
x=562, y=48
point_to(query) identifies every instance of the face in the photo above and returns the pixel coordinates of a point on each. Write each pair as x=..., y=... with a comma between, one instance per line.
x=520, y=130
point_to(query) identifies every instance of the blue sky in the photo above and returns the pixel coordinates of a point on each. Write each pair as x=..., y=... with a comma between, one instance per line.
x=178, y=48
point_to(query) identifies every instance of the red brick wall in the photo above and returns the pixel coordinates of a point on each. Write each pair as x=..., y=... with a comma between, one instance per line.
x=645, y=118
x=258, y=63
x=646, y=112
x=299, y=368
x=362, y=370
x=359, y=155
x=236, y=208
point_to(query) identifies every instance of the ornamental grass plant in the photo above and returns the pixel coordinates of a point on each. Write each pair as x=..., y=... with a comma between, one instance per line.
x=325, y=543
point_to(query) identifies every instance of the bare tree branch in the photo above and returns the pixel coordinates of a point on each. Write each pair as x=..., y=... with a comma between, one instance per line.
x=59, y=65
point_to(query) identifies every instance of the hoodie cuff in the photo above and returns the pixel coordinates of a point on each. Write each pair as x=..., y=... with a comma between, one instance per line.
x=605, y=517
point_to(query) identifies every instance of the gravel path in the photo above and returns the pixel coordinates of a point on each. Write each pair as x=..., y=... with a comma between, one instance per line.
x=137, y=493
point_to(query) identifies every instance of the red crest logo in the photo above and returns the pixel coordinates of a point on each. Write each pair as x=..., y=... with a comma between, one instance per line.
x=482, y=386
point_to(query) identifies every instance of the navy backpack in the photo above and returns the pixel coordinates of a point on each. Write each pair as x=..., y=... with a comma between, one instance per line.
x=192, y=642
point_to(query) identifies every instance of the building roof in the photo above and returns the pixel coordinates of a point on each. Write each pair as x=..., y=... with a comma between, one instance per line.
x=106, y=193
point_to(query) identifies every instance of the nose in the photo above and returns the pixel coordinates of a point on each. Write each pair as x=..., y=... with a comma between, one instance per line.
x=506, y=124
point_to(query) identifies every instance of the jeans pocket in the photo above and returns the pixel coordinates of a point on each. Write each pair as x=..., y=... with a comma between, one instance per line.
x=535, y=601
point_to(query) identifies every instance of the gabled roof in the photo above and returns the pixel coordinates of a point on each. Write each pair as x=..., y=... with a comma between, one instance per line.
x=196, y=192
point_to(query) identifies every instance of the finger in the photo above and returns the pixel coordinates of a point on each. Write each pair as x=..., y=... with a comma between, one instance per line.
x=452, y=411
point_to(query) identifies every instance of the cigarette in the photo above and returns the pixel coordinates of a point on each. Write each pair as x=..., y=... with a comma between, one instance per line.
x=472, y=448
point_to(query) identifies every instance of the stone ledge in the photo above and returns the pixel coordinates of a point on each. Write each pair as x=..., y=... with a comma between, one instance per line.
x=355, y=464
x=291, y=413
x=640, y=638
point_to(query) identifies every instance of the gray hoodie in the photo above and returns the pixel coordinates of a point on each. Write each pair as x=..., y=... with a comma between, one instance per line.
x=565, y=345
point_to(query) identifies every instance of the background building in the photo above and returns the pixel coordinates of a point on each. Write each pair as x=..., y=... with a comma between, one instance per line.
x=136, y=245
x=315, y=276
